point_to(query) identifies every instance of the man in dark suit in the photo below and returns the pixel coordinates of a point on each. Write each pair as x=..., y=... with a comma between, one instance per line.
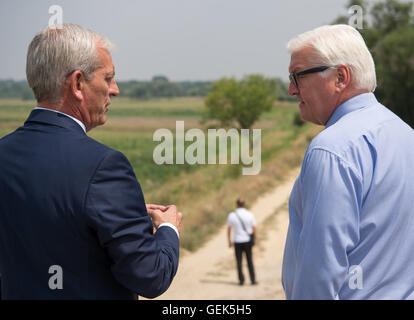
x=73, y=220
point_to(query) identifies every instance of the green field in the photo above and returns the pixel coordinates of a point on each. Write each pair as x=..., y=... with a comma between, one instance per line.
x=204, y=193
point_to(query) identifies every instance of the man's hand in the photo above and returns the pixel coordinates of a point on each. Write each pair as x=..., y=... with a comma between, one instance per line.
x=161, y=214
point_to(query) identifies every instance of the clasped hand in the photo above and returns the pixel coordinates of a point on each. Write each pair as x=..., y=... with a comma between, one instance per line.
x=163, y=214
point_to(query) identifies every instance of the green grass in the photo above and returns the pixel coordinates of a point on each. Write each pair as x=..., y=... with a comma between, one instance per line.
x=139, y=112
x=170, y=108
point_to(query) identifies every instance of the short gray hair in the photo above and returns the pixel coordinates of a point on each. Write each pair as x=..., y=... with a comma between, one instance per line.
x=56, y=52
x=339, y=44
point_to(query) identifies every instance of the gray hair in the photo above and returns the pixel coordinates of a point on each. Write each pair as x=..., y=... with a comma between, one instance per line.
x=339, y=44
x=56, y=52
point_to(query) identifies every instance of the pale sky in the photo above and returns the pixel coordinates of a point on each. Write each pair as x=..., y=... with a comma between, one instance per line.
x=181, y=39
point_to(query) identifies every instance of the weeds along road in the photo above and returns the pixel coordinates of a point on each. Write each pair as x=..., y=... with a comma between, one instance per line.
x=210, y=272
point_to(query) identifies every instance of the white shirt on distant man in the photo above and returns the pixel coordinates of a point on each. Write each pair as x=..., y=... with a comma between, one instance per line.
x=239, y=235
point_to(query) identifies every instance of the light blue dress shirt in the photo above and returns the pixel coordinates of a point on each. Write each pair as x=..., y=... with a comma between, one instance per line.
x=351, y=210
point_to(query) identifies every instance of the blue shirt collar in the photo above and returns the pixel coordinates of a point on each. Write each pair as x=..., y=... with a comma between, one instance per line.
x=357, y=102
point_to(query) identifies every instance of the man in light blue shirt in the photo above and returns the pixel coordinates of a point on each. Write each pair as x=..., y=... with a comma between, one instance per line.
x=351, y=210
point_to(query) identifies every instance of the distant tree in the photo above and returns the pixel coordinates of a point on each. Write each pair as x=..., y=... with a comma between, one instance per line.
x=159, y=79
x=395, y=70
x=27, y=95
x=160, y=86
x=241, y=101
x=15, y=89
x=282, y=89
x=390, y=15
x=141, y=91
x=386, y=17
x=390, y=38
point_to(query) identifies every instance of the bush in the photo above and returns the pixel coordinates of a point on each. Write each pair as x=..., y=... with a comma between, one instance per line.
x=297, y=120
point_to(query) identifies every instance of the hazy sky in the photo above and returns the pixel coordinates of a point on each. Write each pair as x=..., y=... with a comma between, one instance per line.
x=182, y=39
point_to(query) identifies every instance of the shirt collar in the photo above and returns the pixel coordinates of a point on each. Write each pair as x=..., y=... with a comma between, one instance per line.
x=74, y=119
x=357, y=102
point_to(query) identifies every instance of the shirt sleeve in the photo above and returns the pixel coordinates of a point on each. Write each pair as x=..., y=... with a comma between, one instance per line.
x=253, y=220
x=330, y=200
x=230, y=221
x=167, y=224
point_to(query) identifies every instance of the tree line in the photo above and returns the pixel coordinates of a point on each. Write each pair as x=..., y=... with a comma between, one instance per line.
x=158, y=87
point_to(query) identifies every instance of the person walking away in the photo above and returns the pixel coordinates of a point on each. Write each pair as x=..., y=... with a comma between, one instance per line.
x=243, y=224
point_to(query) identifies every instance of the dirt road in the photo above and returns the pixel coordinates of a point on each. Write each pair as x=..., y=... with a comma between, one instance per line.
x=210, y=273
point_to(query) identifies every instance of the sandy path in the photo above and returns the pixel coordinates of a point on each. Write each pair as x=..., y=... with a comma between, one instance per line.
x=210, y=272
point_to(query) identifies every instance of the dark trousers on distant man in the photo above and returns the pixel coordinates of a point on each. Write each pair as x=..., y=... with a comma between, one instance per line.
x=245, y=247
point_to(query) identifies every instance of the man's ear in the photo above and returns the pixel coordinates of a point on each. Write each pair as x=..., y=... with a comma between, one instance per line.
x=343, y=76
x=77, y=81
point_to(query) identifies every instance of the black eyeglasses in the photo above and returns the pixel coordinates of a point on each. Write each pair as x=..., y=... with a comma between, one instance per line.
x=293, y=76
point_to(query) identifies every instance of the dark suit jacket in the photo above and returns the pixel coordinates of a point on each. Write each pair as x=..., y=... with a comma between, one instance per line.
x=70, y=201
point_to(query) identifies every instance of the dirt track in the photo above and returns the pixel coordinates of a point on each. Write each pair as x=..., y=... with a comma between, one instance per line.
x=210, y=273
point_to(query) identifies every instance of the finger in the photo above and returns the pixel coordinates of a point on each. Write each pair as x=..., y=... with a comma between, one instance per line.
x=178, y=221
x=152, y=212
x=156, y=206
x=179, y=216
x=171, y=208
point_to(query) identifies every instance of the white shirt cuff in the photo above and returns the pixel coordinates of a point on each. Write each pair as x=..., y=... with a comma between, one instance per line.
x=167, y=224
